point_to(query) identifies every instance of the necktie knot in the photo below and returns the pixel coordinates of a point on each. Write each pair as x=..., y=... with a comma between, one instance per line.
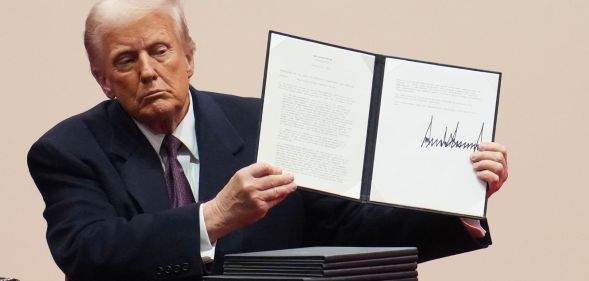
x=170, y=146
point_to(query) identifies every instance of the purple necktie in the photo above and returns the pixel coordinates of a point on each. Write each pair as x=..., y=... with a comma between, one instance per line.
x=179, y=190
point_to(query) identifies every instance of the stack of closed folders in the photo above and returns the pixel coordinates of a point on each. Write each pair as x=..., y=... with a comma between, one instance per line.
x=322, y=263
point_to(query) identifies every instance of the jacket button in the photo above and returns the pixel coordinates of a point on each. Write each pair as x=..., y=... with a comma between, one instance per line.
x=159, y=271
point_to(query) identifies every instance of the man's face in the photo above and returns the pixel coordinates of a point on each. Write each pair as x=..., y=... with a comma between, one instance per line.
x=146, y=67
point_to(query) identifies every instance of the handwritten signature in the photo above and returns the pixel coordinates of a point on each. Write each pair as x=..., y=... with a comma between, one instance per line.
x=450, y=140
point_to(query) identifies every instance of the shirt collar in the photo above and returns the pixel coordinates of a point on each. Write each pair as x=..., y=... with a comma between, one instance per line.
x=185, y=132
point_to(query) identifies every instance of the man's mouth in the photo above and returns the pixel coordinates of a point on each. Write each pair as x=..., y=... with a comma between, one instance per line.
x=153, y=93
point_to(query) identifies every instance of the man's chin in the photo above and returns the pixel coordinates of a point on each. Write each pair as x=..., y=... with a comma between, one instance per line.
x=160, y=118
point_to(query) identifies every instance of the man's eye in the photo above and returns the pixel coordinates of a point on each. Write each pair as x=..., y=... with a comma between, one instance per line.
x=124, y=60
x=160, y=51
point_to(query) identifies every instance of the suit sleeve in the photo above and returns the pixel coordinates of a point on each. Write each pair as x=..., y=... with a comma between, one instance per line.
x=335, y=221
x=89, y=237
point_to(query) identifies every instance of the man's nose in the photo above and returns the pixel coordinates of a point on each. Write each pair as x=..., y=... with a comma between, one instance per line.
x=146, y=67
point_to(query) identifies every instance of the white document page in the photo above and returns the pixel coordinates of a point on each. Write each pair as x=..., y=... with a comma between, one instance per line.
x=315, y=113
x=431, y=120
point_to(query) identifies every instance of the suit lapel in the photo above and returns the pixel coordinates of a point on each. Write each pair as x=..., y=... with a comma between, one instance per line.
x=219, y=144
x=137, y=162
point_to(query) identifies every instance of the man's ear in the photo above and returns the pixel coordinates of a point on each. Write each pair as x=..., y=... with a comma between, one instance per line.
x=103, y=82
x=190, y=62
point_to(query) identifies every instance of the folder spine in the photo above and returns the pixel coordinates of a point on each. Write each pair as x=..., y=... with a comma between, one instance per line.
x=374, y=112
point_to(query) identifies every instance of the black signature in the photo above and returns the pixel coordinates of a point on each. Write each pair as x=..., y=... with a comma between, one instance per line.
x=449, y=140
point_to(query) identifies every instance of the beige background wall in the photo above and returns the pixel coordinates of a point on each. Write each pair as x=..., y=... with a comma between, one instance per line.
x=539, y=220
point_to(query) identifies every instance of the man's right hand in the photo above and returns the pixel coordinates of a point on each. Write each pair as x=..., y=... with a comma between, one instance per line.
x=246, y=198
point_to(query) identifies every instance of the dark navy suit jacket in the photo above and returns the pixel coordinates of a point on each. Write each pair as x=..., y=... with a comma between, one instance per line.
x=108, y=215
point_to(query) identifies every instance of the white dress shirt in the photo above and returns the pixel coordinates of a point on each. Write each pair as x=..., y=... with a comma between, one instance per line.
x=188, y=158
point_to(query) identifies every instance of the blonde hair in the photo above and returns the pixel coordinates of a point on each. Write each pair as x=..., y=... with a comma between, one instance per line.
x=109, y=13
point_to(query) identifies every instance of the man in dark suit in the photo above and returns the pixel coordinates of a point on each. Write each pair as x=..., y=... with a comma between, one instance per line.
x=118, y=209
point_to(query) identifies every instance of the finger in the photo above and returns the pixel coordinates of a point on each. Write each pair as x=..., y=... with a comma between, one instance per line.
x=488, y=177
x=495, y=167
x=261, y=169
x=493, y=146
x=271, y=181
x=488, y=155
x=277, y=193
x=279, y=199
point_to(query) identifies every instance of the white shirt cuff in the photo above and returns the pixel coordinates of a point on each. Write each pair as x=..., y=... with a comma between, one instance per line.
x=207, y=250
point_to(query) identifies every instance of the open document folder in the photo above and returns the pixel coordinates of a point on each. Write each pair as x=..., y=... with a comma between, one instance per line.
x=377, y=129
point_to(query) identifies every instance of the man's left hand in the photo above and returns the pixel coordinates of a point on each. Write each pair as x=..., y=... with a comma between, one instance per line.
x=490, y=164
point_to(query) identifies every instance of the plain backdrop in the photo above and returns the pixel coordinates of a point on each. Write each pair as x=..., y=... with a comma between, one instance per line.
x=538, y=221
